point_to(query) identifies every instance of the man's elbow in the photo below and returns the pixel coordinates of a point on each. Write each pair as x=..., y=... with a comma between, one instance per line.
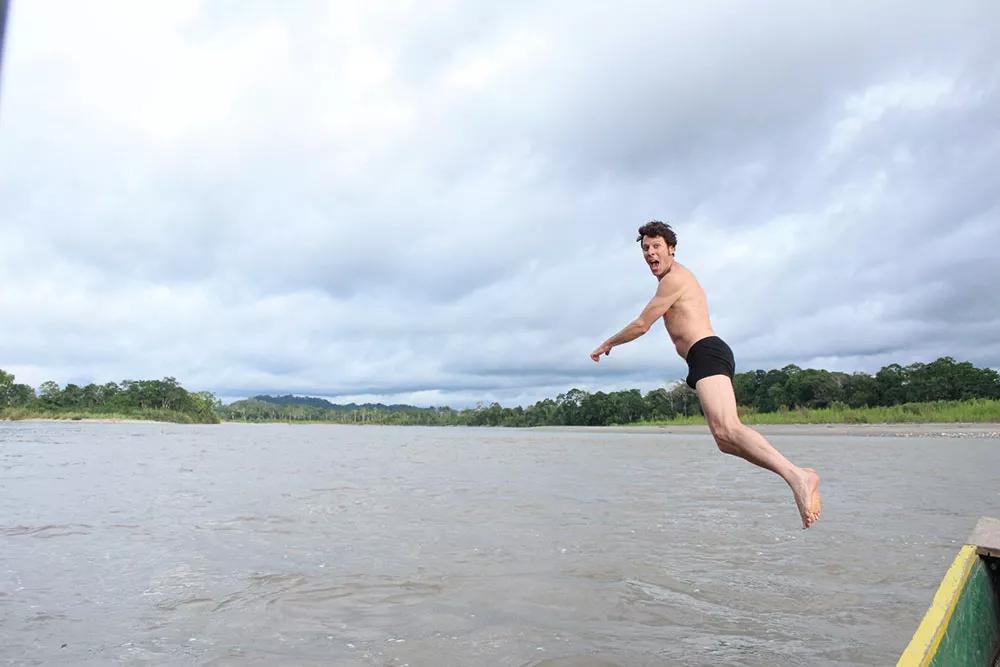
x=640, y=326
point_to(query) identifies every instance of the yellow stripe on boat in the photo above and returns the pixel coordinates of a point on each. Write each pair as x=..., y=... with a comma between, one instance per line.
x=928, y=636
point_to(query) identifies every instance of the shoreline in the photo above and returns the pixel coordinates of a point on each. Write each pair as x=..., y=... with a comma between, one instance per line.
x=980, y=430
x=84, y=420
x=988, y=430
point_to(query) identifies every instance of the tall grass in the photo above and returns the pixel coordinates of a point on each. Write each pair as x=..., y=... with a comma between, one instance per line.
x=973, y=410
x=680, y=420
x=147, y=414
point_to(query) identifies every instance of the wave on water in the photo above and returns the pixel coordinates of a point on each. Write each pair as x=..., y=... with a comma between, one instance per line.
x=48, y=530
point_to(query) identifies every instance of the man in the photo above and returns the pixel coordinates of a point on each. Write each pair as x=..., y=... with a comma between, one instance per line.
x=681, y=302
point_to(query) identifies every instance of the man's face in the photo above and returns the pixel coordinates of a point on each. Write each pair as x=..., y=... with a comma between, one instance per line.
x=658, y=255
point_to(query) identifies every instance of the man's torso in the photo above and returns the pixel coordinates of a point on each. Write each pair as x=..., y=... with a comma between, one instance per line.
x=687, y=319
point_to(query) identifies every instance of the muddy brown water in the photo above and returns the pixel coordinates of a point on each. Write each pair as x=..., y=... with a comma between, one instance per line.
x=338, y=545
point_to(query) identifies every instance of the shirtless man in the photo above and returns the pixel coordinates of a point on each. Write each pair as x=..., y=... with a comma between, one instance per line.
x=681, y=302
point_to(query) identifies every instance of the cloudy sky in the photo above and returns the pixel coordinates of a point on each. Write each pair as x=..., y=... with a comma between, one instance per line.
x=436, y=202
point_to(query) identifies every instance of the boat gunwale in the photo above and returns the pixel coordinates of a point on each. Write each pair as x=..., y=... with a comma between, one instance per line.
x=926, y=640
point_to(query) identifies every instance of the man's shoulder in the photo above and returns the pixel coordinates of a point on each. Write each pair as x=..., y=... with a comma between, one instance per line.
x=678, y=281
x=679, y=274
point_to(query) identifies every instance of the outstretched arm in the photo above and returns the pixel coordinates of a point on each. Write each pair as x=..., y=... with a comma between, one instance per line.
x=666, y=295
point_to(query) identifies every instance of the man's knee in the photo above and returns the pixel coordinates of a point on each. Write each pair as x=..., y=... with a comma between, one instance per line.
x=726, y=433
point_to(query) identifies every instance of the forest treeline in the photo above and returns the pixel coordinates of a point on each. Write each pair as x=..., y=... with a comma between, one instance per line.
x=758, y=392
x=162, y=400
x=786, y=389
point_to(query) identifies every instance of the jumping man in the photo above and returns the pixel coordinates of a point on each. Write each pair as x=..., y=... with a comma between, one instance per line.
x=681, y=302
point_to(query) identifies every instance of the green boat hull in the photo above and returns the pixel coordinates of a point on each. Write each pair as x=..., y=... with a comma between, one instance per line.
x=962, y=626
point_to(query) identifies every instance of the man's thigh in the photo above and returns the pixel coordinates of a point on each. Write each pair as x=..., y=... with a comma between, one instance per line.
x=718, y=399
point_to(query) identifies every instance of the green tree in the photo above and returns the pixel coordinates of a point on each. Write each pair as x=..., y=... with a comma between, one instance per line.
x=542, y=413
x=946, y=379
x=568, y=406
x=72, y=396
x=21, y=395
x=6, y=388
x=891, y=382
x=624, y=407
x=815, y=389
x=657, y=405
x=684, y=400
x=50, y=394
x=860, y=390
x=593, y=410
x=747, y=386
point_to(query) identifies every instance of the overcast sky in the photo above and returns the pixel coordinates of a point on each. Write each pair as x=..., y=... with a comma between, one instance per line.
x=436, y=202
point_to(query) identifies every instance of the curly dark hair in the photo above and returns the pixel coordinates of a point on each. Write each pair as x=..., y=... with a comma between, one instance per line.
x=657, y=228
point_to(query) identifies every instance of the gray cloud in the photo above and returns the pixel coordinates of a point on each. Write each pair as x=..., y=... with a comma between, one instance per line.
x=440, y=206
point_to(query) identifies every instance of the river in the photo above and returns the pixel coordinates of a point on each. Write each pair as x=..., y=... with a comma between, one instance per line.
x=337, y=545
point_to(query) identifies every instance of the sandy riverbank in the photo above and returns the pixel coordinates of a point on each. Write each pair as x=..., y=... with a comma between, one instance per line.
x=88, y=420
x=958, y=430
x=984, y=430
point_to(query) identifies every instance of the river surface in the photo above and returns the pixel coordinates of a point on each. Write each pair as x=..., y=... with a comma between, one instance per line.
x=338, y=545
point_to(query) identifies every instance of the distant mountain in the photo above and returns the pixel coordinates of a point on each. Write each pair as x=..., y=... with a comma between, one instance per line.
x=296, y=400
x=324, y=404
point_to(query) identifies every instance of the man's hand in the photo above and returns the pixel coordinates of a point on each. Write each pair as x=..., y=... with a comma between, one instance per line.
x=604, y=349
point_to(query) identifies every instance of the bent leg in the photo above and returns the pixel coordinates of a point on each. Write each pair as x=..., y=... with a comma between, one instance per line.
x=718, y=402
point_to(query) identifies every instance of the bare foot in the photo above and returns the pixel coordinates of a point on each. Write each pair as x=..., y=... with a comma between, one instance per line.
x=807, y=497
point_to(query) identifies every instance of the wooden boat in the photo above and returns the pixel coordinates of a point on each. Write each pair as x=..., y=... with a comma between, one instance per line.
x=962, y=626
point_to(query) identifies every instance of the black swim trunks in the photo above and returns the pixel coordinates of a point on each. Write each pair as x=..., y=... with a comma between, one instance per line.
x=707, y=357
